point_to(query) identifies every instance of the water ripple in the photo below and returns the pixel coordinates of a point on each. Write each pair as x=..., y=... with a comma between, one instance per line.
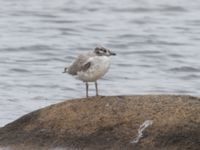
x=185, y=69
x=19, y=70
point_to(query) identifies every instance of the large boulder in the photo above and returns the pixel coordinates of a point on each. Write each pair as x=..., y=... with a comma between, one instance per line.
x=160, y=122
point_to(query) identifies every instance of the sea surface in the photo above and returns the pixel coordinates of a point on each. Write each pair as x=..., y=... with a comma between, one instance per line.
x=157, y=44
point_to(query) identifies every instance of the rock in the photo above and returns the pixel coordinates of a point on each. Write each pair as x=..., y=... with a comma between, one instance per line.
x=109, y=123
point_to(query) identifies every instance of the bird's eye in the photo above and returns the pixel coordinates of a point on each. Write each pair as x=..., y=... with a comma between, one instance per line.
x=104, y=51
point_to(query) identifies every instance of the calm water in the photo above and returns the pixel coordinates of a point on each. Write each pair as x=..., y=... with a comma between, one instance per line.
x=157, y=42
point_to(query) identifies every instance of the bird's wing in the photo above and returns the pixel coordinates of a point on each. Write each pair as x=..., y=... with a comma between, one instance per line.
x=80, y=64
x=85, y=67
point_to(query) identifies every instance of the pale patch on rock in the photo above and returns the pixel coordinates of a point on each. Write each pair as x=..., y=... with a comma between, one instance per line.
x=141, y=129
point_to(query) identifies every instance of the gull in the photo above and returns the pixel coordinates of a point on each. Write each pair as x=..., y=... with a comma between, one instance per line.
x=91, y=66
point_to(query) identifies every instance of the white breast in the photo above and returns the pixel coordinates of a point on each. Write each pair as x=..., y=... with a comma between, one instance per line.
x=99, y=66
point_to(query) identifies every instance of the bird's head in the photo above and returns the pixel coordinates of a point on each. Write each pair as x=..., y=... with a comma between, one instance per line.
x=101, y=51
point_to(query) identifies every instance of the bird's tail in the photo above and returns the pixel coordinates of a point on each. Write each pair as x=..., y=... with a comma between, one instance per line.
x=65, y=70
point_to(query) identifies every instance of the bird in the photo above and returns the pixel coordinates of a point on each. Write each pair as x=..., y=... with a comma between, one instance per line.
x=91, y=66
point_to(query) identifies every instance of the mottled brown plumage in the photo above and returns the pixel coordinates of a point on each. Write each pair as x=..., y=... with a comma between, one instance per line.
x=78, y=64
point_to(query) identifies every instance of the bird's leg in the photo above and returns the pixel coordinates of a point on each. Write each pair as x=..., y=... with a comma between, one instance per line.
x=96, y=87
x=86, y=88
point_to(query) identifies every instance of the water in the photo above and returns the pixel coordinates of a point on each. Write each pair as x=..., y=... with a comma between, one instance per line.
x=157, y=46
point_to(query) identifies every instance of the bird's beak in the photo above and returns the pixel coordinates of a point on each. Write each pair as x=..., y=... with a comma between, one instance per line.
x=112, y=54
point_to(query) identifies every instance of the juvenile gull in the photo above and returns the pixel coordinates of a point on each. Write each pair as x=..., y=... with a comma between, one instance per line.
x=91, y=66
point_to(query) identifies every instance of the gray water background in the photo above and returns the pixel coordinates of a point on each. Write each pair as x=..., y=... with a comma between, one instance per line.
x=157, y=44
